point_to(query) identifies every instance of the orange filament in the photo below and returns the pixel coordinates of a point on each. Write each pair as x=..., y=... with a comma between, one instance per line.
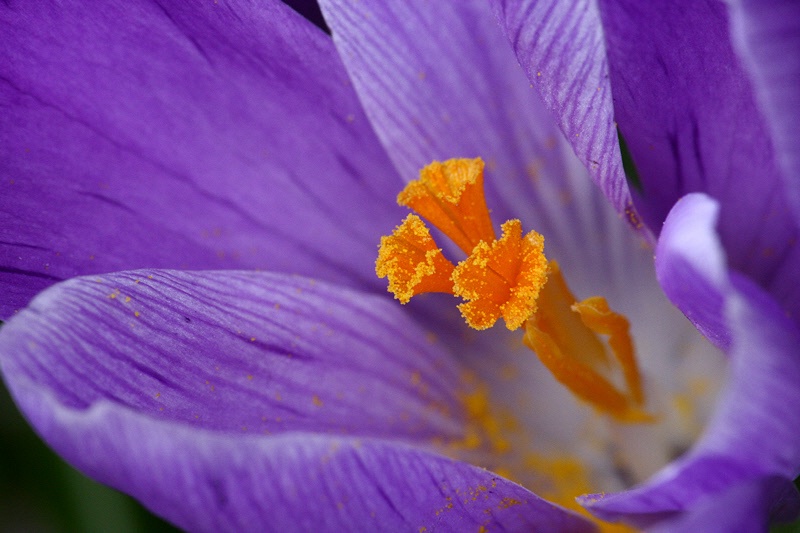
x=502, y=278
x=564, y=336
x=510, y=277
x=412, y=262
x=598, y=317
x=449, y=195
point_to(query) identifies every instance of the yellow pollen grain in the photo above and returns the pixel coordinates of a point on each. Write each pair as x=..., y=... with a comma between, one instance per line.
x=485, y=426
x=316, y=400
x=505, y=503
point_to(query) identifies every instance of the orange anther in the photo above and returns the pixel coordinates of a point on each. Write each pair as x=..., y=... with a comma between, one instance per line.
x=502, y=278
x=449, y=195
x=510, y=278
x=412, y=262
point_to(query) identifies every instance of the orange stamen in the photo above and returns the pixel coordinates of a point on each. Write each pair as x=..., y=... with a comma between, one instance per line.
x=502, y=278
x=598, y=317
x=449, y=195
x=510, y=277
x=564, y=336
x=412, y=262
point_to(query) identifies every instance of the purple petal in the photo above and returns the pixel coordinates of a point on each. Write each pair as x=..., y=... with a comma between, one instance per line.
x=242, y=352
x=255, y=401
x=176, y=136
x=560, y=45
x=438, y=81
x=766, y=35
x=690, y=118
x=691, y=266
x=743, y=507
x=756, y=427
x=203, y=480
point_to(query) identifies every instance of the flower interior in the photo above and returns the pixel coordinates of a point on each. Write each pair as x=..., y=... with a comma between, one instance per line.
x=585, y=345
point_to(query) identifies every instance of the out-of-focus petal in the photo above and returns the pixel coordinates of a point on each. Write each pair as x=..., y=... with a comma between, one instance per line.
x=766, y=36
x=438, y=80
x=220, y=135
x=691, y=121
x=243, y=352
x=755, y=429
x=691, y=266
x=748, y=506
x=561, y=48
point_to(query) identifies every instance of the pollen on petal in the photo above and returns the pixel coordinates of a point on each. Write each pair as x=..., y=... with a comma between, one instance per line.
x=413, y=263
x=502, y=278
x=450, y=196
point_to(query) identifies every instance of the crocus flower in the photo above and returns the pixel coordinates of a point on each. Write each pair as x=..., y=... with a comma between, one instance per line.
x=214, y=178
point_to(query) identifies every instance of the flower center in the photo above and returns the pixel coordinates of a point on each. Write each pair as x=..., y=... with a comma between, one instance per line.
x=510, y=277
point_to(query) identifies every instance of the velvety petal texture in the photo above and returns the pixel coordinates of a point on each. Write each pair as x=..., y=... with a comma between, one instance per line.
x=561, y=47
x=236, y=351
x=252, y=401
x=766, y=36
x=207, y=481
x=691, y=119
x=145, y=134
x=756, y=427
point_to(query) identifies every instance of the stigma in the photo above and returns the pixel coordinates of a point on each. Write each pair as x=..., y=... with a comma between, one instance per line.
x=585, y=345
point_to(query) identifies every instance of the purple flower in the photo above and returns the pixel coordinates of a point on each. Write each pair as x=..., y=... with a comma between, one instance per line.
x=215, y=178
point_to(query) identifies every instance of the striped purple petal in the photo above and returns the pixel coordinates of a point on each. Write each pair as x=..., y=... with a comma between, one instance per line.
x=561, y=47
x=241, y=352
x=256, y=401
x=216, y=136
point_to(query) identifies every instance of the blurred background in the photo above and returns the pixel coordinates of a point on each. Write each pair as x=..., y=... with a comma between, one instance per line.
x=39, y=492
